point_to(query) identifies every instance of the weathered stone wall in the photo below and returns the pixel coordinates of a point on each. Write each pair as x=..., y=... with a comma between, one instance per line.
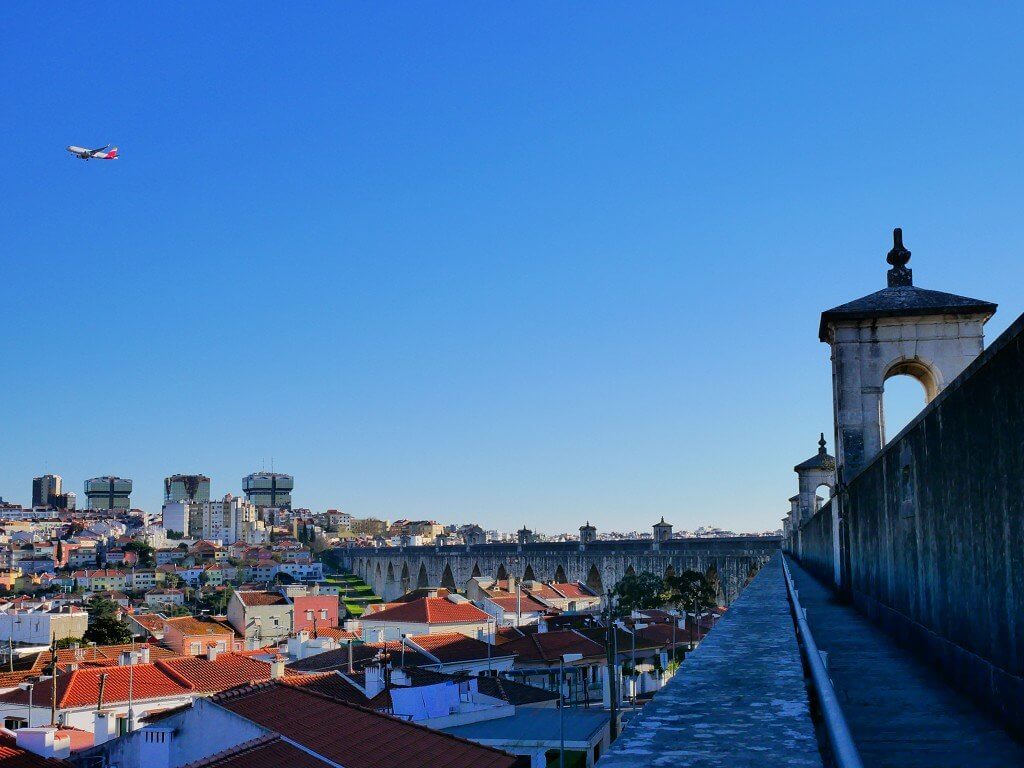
x=936, y=530
x=392, y=571
x=816, y=543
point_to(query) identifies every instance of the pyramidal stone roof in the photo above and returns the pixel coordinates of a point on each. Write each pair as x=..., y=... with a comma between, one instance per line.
x=901, y=298
x=820, y=460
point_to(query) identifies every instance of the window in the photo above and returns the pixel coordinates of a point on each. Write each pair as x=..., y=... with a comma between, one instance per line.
x=14, y=723
x=323, y=613
x=195, y=648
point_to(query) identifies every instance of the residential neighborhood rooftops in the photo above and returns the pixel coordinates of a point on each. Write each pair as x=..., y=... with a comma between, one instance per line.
x=549, y=647
x=453, y=647
x=192, y=625
x=429, y=610
x=354, y=736
x=249, y=598
x=266, y=751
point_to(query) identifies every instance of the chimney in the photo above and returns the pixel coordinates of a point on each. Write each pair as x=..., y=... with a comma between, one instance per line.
x=44, y=741
x=125, y=659
x=277, y=669
x=512, y=584
x=211, y=653
x=155, y=749
x=104, y=726
x=144, y=655
x=374, y=680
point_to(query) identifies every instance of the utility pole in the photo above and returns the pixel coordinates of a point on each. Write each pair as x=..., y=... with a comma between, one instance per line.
x=53, y=682
x=612, y=697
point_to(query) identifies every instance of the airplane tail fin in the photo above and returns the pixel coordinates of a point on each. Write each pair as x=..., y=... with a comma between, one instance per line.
x=112, y=154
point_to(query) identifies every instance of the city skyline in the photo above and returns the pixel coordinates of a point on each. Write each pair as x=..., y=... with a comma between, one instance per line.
x=570, y=267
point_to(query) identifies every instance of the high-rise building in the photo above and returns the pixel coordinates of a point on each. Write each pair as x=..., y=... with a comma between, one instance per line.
x=45, y=491
x=178, y=516
x=187, y=488
x=108, y=492
x=228, y=520
x=269, y=489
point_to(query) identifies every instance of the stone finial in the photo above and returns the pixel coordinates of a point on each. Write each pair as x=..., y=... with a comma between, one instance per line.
x=821, y=445
x=900, y=274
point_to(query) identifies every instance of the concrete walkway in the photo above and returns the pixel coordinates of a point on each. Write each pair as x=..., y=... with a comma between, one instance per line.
x=899, y=710
x=739, y=700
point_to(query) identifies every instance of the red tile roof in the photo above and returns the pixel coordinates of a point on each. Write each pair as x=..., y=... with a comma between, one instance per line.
x=99, y=655
x=450, y=647
x=429, y=610
x=524, y=602
x=267, y=751
x=353, y=736
x=261, y=598
x=329, y=684
x=549, y=646
x=336, y=633
x=227, y=671
x=12, y=756
x=80, y=688
x=190, y=625
x=573, y=591
x=504, y=634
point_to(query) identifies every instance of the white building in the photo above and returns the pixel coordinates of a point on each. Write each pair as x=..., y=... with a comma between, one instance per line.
x=41, y=623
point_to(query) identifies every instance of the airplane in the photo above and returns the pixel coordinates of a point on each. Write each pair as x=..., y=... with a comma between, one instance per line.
x=94, y=154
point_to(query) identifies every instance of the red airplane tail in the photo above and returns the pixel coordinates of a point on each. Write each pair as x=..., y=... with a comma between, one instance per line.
x=112, y=154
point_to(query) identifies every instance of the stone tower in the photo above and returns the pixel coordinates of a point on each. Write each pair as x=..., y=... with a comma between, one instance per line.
x=817, y=471
x=588, y=533
x=662, y=531
x=901, y=329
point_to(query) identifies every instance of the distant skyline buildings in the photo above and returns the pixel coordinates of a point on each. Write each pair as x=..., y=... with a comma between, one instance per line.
x=45, y=490
x=187, y=488
x=269, y=489
x=108, y=492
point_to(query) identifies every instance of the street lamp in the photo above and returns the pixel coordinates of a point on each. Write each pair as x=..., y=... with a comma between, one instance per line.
x=636, y=625
x=565, y=657
x=28, y=687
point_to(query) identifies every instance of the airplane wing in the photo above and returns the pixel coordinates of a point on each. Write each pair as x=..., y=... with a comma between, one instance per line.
x=101, y=149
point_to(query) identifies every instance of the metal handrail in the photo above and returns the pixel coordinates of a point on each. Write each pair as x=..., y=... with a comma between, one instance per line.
x=843, y=747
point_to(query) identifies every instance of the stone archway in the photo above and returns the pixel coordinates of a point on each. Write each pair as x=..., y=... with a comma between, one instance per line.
x=422, y=582
x=594, y=580
x=630, y=570
x=502, y=573
x=405, y=577
x=448, y=579
x=476, y=570
x=560, y=577
x=528, y=573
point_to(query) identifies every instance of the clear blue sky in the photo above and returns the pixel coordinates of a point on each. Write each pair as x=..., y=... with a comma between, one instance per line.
x=505, y=263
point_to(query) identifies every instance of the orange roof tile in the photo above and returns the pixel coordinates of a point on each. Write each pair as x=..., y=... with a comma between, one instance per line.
x=451, y=647
x=226, y=671
x=429, y=610
x=80, y=688
x=190, y=625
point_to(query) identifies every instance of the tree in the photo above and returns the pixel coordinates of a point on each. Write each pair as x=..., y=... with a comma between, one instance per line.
x=67, y=642
x=60, y=553
x=144, y=551
x=638, y=592
x=105, y=625
x=693, y=592
x=175, y=535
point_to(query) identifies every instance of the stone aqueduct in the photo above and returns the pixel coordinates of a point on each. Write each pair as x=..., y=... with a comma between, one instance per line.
x=393, y=571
